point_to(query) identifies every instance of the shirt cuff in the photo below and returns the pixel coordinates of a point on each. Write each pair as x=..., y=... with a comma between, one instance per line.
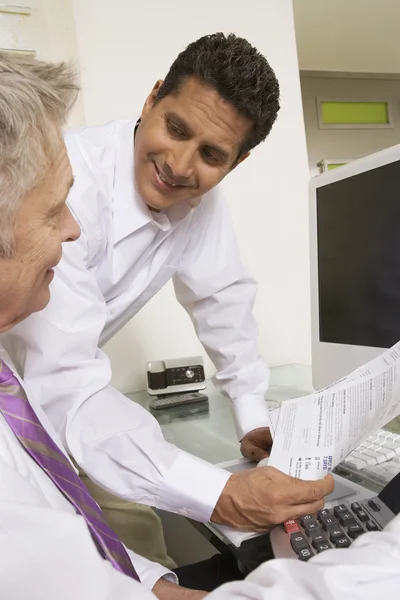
x=150, y=572
x=195, y=486
x=250, y=412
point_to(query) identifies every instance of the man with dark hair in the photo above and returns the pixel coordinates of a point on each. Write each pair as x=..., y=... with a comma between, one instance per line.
x=147, y=200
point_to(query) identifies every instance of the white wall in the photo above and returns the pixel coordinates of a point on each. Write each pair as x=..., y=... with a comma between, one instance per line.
x=347, y=143
x=50, y=30
x=124, y=47
x=348, y=35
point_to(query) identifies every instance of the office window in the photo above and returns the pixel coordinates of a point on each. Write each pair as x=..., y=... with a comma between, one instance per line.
x=334, y=165
x=329, y=164
x=344, y=114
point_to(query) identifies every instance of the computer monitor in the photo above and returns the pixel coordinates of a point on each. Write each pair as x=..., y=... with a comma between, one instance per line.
x=355, y=264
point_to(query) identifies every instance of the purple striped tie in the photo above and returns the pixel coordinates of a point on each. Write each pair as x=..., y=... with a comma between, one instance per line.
x=22, y=419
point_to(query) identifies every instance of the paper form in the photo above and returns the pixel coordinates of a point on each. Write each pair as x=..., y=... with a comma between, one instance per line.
x=315, y=433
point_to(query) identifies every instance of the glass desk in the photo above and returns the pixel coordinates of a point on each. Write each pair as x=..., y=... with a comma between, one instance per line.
x=212, y=437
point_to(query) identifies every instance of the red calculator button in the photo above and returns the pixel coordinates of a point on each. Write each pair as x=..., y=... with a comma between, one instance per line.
x=291, y=526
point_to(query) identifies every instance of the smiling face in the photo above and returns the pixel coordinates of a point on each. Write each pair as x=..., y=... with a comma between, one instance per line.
x=186, y=144
x=42, y=223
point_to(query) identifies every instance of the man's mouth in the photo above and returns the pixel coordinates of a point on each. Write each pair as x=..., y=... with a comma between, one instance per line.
x=167, y=180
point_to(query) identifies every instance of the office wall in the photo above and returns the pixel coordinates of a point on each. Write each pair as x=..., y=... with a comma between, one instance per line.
x=124, y=47
x=50, y=30
x=355, y=35
x=347, y=143
x=59, y=23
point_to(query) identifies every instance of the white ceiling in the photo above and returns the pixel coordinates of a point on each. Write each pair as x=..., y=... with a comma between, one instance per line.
x=348, y=35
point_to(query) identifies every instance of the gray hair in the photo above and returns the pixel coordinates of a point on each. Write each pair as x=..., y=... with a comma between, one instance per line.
x=35, y=100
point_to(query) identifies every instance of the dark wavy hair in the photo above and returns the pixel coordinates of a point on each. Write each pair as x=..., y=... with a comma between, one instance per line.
x=239, y=73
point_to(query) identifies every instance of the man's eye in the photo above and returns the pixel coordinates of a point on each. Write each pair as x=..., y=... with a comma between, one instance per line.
x=174, y=129
x=209, y=156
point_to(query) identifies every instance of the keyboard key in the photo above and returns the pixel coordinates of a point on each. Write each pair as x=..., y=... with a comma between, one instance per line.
x=382, y=434
x=378, y=457
x=354, y=531
x=339, y=509
x=354, y=463
x=371, y=526
x=305, y=519
x=375, y=507
x=387, y=452
x=322, y=546
x=291, y=526
x=342, y=542
x=335, y=534
x=369, y=460
x=315, y=533
x=329, y=520
x=319, y=539
x=361, y=458
x=310, y=525
x=324, y=513
x=346, y=519
x=362, y=515
x=305, y=554
x=356, y=506
x=392, y=446
x=298, y=542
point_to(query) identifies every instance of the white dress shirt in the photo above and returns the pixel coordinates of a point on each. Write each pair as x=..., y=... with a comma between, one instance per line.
x=36, y=520
x=47, y=552
x=125, y=254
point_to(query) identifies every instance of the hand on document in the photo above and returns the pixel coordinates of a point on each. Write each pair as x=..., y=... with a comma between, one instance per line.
x=315, y=433
x=259, y=499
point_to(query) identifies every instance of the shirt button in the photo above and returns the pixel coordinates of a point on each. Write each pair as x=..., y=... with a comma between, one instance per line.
x=113, y=311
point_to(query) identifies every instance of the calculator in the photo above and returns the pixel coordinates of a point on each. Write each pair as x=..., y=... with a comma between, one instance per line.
x=170, y=400
x=335, y=527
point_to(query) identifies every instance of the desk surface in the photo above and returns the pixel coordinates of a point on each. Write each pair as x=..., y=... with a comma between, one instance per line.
x=212, y=435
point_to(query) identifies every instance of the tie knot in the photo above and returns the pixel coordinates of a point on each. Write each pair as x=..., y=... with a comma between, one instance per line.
x=5, y=372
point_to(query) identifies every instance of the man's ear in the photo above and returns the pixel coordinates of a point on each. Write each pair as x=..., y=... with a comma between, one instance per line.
x=151, y=98
x=239, y=160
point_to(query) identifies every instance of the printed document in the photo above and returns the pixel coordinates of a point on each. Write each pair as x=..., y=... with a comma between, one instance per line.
x=315, y=433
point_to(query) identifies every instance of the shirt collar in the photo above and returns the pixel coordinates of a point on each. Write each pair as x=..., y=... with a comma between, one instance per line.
x=130, y=212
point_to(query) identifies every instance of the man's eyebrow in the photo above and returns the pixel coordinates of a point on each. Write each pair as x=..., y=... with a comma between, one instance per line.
x=224, y=155
x=180, y=122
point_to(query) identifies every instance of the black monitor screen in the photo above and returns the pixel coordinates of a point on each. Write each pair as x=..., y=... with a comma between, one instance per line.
x=358, y=228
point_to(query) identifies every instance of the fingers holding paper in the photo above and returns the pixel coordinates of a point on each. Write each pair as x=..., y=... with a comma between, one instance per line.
x=260, y=499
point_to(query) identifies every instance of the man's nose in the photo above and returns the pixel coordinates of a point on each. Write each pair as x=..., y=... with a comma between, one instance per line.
x=71, y=229
x=180, y=164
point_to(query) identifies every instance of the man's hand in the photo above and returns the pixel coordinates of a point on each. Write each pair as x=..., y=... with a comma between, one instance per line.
x=256, y=444
x=259, y=499
x=166, y=590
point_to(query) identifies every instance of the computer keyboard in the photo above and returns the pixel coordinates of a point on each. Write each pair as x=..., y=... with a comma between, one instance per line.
x=331, y=528
x=378, y=458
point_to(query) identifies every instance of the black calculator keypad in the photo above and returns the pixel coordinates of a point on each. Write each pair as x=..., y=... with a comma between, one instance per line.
x=330, y=528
